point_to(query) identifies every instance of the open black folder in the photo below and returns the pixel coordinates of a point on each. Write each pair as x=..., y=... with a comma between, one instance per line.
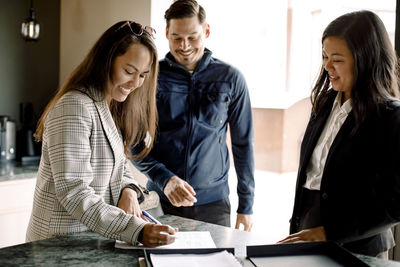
x=308, y=254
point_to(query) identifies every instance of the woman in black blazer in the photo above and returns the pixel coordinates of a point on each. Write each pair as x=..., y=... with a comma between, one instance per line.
x=348, y=185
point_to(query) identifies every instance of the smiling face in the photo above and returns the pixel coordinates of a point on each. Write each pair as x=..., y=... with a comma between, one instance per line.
x=128, y=72
x=186, y=40
x=339, y=63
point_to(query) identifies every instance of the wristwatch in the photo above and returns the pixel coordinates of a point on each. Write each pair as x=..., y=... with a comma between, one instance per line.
x=138, y=191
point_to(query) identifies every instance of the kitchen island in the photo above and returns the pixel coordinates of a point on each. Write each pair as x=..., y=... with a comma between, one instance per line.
x=17, y=185
x=91, y=249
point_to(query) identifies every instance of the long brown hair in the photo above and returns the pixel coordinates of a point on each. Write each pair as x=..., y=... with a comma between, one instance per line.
x=376, y=80
x=136, y=117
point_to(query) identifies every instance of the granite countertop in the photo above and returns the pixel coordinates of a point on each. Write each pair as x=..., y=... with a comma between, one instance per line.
x=12, y=170
x=91, y=249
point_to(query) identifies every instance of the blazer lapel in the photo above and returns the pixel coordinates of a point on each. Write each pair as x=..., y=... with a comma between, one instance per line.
x=343, y=133
x=113, y=136
x=109, y=127
x=314, y=130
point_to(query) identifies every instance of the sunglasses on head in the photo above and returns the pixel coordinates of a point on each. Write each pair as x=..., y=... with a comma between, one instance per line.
x=137, y=29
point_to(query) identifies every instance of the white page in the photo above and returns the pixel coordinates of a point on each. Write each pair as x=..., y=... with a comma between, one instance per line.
x=295, y=261
x=217, y=259
x=195, y=239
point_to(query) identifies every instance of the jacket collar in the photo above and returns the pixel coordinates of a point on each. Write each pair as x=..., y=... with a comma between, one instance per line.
x=107, y=121
x=204, y=61
x=95, y=95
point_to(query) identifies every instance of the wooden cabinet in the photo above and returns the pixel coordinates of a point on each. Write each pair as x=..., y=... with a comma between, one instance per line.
x=16, y=198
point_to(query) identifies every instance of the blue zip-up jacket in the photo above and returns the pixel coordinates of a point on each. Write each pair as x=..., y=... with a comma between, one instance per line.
x=194, y=112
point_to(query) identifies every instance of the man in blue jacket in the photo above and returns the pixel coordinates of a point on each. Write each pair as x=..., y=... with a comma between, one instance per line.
x=198, y=96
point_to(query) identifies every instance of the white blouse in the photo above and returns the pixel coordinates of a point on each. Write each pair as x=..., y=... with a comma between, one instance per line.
x=335, y=121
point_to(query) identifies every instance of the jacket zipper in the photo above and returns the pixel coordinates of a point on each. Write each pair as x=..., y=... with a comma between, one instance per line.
x=189, y=130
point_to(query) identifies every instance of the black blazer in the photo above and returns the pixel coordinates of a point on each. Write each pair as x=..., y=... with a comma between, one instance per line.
x=360, y=187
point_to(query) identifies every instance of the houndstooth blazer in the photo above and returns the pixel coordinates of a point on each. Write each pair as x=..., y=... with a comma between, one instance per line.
x=81, y=173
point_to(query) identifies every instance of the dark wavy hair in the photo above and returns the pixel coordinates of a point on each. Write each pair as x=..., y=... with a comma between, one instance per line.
x=137, y=115
x=376, y=78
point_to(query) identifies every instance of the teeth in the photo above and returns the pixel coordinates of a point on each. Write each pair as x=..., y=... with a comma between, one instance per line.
x=124, y=89
x=186, y=53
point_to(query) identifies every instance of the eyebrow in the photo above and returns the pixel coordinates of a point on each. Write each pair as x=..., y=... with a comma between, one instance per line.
x=177, y=34
x=337, y=54
x=130, y=65
x=334, y=54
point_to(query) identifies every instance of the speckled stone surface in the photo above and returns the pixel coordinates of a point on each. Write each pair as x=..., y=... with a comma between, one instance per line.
x=11, y=170
x=377, y=262
x=91, y=249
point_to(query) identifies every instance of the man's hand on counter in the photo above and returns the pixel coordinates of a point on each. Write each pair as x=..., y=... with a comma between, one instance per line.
x=244, y=219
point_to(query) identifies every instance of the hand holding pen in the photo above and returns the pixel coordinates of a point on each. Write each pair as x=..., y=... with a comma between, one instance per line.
x=156, y=234
x=149, y=218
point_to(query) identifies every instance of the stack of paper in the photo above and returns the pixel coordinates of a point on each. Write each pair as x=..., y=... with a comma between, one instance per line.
x=217, y=259
x=195, y=239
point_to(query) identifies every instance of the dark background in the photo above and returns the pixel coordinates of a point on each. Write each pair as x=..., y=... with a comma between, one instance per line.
x=29, y=71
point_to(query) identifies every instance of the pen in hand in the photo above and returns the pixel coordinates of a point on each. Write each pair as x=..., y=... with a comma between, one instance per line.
x=149, y=217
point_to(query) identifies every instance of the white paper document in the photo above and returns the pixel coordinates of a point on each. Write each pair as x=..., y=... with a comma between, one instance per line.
x=217, y=259
x=295, y=261
x=195, y=239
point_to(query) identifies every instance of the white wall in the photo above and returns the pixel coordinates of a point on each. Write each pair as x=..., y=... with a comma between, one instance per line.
x=252, y=36
x=158, y=8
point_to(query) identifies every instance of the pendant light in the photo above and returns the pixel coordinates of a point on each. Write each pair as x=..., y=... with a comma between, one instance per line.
x=30, y=28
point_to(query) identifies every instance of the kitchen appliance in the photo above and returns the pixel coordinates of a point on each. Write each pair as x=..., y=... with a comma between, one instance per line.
x=28, y=150
x=7, y=138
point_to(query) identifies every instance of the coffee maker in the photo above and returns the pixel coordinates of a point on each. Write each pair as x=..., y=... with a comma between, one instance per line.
x=7, y=138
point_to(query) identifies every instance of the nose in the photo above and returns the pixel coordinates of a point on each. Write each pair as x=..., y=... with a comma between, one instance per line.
x=328, y=65
x=185, y=44
x=135, y=82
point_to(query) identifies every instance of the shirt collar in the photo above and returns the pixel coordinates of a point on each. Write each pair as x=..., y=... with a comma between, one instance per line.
x=203, y=63
x=346, y=107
